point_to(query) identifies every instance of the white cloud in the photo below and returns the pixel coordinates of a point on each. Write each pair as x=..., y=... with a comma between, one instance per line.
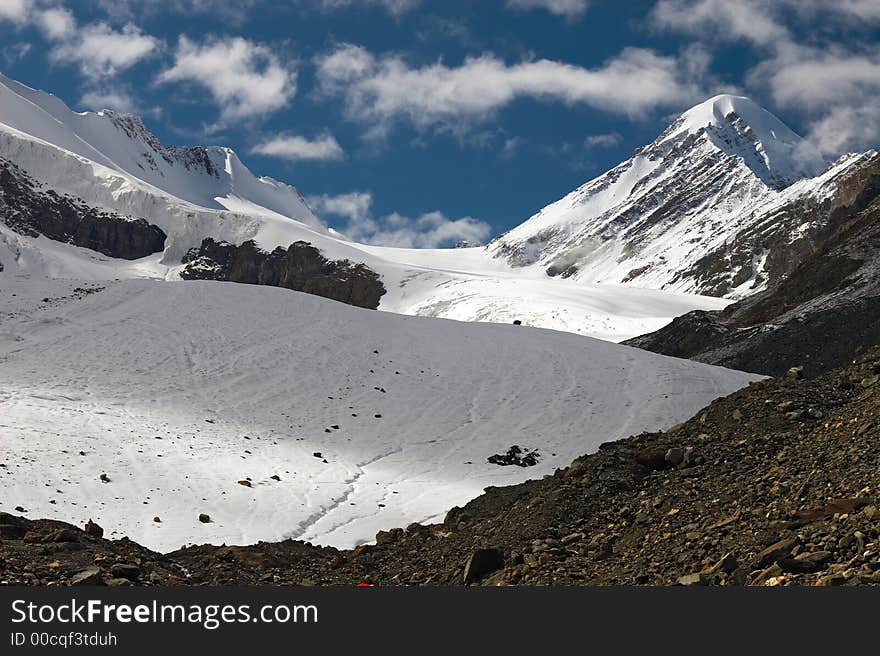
x=847, y=128
x=115, y=99
x=750, y=20
x=354, y=206
x=833, y=86
x=836, y=88
x=429, y=230
x=98, y=49
x=15, y=52
x=810, y=78
x=849, y=11
x=393, y=7
x=511, y=145
x=760, y=22
x=297, y=148
x=101, y=50
x=379, y=90
x=602, y=140
x=568, y=8
x=17, y=11
x=56, y=23
x=235, y=11
x=244, y=78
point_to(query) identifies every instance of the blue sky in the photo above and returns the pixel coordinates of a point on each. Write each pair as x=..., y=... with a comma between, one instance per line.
x=416, y=122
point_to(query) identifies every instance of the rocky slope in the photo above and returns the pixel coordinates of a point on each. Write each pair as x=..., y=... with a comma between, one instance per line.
x=773, y=485
x=817, y=316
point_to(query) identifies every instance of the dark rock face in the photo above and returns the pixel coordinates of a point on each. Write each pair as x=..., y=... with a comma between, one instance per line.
x=299, y=267
x=32, y=211
x=819, y=316
x=193, y=158
x=789, y=233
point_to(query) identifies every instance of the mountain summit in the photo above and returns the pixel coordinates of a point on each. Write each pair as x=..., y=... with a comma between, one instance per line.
x=738, y=126
x=121, y=146
x=691, y=211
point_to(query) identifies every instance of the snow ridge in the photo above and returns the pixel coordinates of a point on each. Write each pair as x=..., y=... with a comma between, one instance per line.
x=689, y=211
x=112, y=161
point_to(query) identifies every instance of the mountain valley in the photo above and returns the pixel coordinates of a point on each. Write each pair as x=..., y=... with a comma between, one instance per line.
x=191, y=358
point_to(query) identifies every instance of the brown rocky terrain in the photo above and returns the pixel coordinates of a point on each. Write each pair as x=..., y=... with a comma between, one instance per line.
x=300, y=267
x=776, y=484
x=816, y=316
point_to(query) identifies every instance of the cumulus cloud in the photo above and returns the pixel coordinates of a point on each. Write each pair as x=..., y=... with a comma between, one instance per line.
x=602, y=140
x=354, y=206
x=244, y=78
x=393, y=7
x=846, y=128
x=567, y=8
x=99, y=49
x=235, y=11
x=56, y=23
x=380, y=90
x=836, y=88
x=511, y=145
x=17, y=11
x=848, y=11
x=116, y=97
x=750, y=20
x=428, y=230
x=833, y=87
x=297, y=148
x=15, y=52
x=760, y=22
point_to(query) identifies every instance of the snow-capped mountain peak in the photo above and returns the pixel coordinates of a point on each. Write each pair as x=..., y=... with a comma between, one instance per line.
x=699, y=210
x=209, y=177
x=738, y=126
x=687, y=212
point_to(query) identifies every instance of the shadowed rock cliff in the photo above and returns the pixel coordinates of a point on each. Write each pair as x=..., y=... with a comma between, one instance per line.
x=31, y=210
x=300, y=267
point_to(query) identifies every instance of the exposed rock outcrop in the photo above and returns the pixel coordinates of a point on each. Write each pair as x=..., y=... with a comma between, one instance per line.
x=819, y=316
x=31, y=210
x=300, y=267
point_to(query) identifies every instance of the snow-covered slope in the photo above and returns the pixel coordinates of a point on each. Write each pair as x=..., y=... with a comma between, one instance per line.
x=112, y=162
x=685, y=213
x=342, y=421
x=208, y=177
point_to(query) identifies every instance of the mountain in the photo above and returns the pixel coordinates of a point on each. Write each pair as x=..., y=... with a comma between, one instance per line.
x=818, y=317
x=119, y=146
x=726, y=201
x=115, y=203
x=726, y=204
x=285, y=415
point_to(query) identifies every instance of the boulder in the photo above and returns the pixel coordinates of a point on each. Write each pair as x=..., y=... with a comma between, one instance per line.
x=481, y=563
